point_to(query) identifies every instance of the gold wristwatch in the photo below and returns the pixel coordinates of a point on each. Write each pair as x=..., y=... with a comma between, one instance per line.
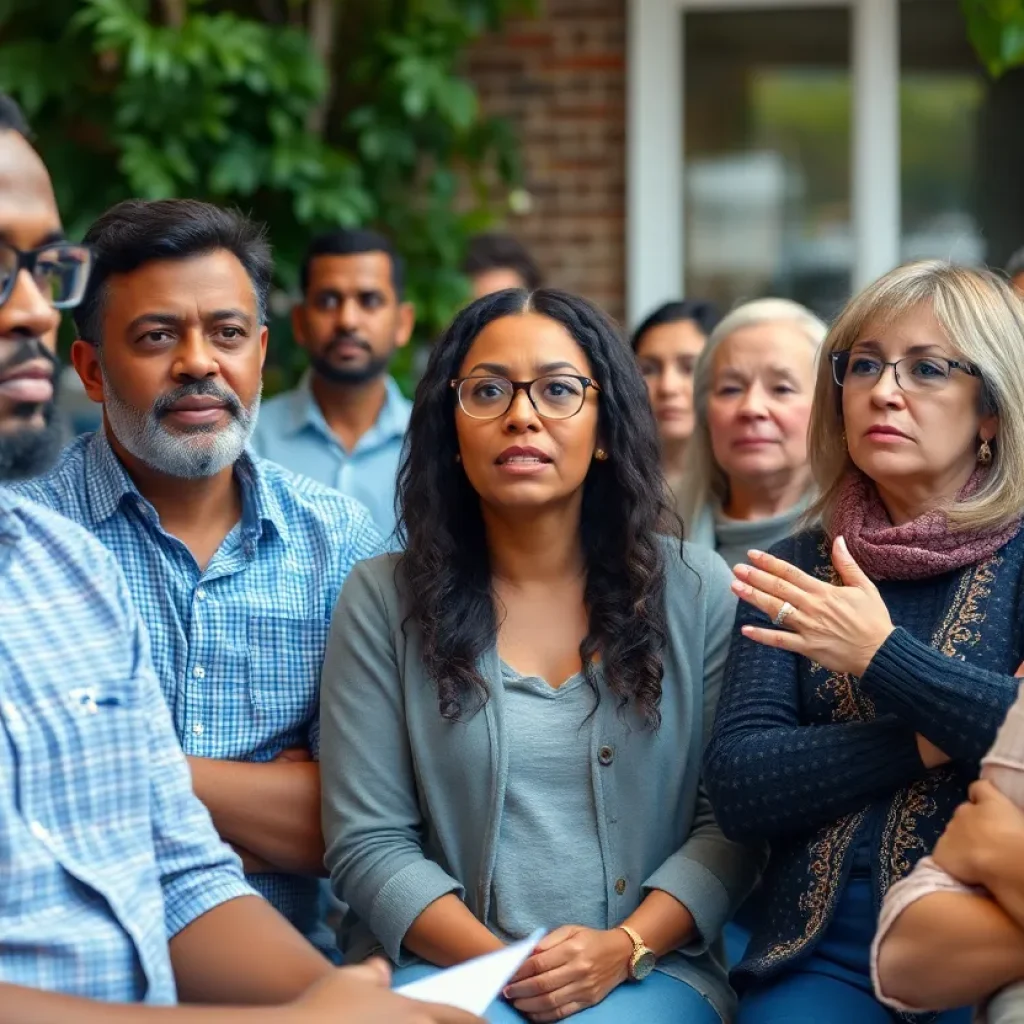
x=642, y=962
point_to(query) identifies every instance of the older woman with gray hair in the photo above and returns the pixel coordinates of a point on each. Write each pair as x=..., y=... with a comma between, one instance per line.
x=748, y=479
x=873, y=657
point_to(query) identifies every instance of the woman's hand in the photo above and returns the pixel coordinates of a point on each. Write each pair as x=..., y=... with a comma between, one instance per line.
x=982, y=835
x=838, y=627
x=571, y=969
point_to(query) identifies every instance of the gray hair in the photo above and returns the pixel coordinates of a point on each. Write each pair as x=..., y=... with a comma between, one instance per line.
x=705, y=481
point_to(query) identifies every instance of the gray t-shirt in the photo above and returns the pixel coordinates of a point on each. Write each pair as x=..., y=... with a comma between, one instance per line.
x=549, y=869
x=735, y=537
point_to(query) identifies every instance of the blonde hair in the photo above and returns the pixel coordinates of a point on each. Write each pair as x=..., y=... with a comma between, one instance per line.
x=983, y=319
x=705, y=480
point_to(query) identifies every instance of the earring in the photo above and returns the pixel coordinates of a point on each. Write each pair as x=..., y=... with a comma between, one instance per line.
x=458, y=457
x=984, y=454
x=601, y=455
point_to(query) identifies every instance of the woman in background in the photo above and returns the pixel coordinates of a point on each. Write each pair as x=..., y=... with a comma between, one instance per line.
x=667, y=345
x=748, y=479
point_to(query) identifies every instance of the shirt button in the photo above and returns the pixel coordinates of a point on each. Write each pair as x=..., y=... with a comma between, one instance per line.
x=199, y=672
x=197, y=729
x=201, y=594
x=620, y=886
x=40, y=831
x=606, y=755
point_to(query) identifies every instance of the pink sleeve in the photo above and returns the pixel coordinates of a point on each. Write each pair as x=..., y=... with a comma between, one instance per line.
x=1003, y=765
x=926, y=878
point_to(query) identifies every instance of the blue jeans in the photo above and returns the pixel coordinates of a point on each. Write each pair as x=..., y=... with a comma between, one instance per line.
x=658, y=1000
x=833, y=985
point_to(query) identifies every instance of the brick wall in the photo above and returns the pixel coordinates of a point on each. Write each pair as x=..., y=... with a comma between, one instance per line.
x=560, y=78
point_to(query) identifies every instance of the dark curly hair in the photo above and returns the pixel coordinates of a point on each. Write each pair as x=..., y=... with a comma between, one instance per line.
x=446, y=564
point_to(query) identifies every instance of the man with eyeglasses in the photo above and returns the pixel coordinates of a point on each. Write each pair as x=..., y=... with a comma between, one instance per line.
x=116, y=888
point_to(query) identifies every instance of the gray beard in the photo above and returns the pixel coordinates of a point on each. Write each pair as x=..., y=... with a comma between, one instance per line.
x=202, y=452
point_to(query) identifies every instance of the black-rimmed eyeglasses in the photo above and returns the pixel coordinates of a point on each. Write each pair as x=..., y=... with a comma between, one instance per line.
x=555, y=397
x=60, y=271
x=914, y=374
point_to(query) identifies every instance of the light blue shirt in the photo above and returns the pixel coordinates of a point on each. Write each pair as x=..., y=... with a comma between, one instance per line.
x=105, y=853
x=237, y=646
x=292, y=431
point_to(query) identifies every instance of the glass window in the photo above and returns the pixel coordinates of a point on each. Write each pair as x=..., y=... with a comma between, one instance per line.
x=962, y=159
x=767, y=155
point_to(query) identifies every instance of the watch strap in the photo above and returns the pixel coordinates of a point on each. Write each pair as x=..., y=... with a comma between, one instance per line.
x=639, y=949
x=638, y=944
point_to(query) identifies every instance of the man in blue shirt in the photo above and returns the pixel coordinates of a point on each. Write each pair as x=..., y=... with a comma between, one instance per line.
x=345, y=423
x=115, y=884
x=234, y=564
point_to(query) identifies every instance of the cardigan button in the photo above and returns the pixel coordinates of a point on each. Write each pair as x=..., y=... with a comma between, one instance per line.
x=606, y=755
x=620, y=886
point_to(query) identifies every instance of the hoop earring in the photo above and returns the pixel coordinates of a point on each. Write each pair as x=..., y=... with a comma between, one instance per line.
x=601, y=455
x=984, y=454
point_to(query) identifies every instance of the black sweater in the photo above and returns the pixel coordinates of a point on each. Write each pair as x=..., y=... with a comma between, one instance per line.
x=816, y=762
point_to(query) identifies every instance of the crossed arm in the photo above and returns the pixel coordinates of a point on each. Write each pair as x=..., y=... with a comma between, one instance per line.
x=269, y=812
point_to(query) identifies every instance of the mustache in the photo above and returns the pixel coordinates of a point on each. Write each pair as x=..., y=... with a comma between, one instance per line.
x=348, y=338
x=28, y=350
x=162, y=406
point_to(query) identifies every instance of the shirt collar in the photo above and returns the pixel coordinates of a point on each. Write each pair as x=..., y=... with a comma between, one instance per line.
x=11, y=527
x=108, y=484
x=392, y=421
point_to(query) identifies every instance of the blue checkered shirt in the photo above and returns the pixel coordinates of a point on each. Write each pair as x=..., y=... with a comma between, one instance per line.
x=105, y=853
x=238, y=646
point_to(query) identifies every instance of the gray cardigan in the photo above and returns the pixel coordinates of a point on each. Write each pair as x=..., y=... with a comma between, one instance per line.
x=412, y=803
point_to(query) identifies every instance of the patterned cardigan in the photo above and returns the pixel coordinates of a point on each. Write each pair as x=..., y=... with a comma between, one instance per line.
x=817, y=763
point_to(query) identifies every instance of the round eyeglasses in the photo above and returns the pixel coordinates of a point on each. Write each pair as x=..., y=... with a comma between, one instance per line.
x=60, y=271
x=556, y=397
x=917, y=375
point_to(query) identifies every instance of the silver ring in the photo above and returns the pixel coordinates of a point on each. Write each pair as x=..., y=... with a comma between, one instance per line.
x=784, y=613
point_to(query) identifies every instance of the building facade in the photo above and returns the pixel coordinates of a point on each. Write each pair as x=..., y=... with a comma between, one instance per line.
x=738, y=148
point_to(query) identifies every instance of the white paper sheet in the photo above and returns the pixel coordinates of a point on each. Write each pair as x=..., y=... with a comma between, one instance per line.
x=474, y=985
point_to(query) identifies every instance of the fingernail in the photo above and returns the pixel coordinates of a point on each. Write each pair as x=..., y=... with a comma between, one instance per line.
x=738, y=588
x=754, y=553
x=741, y=569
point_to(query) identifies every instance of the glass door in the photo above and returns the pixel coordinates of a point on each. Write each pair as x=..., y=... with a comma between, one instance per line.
x=767, y=155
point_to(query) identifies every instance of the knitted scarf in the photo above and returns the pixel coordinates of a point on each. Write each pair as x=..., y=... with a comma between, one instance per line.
x=917, y=550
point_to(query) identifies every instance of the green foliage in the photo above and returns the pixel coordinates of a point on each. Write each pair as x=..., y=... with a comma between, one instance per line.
x=320, y=113
x=996, y=30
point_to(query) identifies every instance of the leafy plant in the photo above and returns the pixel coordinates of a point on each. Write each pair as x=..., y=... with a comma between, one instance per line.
x=318, y=113
x=996, y=30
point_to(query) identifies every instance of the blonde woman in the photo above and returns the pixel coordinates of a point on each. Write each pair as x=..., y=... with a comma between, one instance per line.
x=747, y=476
x=875, y=656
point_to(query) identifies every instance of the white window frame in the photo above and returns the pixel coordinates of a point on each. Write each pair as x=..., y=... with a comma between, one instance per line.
x=655, y=157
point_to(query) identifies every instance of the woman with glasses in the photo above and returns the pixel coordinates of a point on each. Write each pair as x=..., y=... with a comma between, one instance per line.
x=667, y=345
x=514, y=709
x=874, y=659
x=747, y=477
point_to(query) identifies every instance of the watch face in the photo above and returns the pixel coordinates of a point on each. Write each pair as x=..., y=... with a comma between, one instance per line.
x=643, y=965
